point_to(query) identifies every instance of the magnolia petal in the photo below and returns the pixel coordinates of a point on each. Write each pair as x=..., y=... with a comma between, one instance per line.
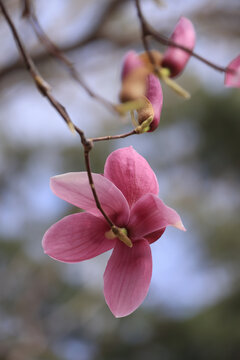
x=131, y=173
x=75, y=189
x=176, y=59
x=127, y=277
x=76, y=238
x=149, y=215
x=155, y=96
x=131, y=62
x=232, y=79
x=154, y=236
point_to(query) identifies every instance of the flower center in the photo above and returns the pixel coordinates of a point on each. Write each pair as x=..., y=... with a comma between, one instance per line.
x=120, y=233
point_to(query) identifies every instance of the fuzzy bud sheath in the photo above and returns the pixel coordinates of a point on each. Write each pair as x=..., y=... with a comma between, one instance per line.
x=138, y=83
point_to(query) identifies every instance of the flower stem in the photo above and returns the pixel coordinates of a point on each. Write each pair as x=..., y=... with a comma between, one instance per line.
x=87, y=149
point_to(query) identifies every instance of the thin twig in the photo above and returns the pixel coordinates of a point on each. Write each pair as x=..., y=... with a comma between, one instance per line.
x=114, y=137
x=148, y=30
x=94, y=34
x=30, y=14
x=44, y=88
x=144, y=31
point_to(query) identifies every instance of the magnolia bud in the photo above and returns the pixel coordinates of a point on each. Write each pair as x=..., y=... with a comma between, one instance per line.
x=139, y=84
x=174, y=58
x=155, y=97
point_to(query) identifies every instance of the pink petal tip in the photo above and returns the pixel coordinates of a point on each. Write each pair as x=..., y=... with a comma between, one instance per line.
x=130, y=62
x=232, y=76
x=179, y=225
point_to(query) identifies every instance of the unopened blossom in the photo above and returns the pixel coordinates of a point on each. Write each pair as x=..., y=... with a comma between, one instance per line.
x=139, y=84
x=232, y=76
x=174, y=58
x=128, y=192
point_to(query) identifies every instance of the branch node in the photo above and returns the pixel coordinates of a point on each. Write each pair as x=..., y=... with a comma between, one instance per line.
x=42, y=85
x=88, y=145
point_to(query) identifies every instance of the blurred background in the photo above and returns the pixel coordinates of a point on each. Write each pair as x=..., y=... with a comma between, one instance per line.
x=56, y=311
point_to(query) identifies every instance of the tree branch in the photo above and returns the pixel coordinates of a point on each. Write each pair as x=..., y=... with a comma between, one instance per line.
x=53, y=50
x=93, y=35
x=44, y=88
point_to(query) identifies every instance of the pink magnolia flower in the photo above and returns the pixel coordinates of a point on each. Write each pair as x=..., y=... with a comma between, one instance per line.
x=232, y=77
x=139, y=83
x=174, y=58
x=128, y=194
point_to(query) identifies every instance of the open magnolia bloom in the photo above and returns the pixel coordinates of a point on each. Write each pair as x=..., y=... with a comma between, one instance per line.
x=232, y=77
x=128, y=194
x=141, y=86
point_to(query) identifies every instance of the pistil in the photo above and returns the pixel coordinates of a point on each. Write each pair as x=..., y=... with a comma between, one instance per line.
x=120, y=233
